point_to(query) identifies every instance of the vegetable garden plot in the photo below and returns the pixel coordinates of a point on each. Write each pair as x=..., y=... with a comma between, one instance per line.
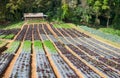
x=7, y=56
x=107, y=62
x=105, y=45
x=8, y=34
x=66, y=35
x=22, y=66
x=49, y=33
x=43, y=66
x=81, y=42
x=98, y=44
x=46, y=29
x=103, y=59
x=64, y=40
x=22, y=33
x=108, y=71
x=79, y=33
x=42, y=33
x=35, y=33
x=94, y=54
x=87, y=71
x=5, y=59
x=54, y=29
x=29, y=33
x=64, y=69
x=101, y=48
x=102, y=67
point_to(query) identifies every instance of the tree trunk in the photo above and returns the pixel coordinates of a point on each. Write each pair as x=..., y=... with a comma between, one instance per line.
x=108, y=22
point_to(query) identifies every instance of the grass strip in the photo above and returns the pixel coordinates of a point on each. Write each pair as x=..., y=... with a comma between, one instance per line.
x=110, y=30
x=35, y=21
x=63, y=25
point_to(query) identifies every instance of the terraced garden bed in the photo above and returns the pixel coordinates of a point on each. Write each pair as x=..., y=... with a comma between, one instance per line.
x=56, y=51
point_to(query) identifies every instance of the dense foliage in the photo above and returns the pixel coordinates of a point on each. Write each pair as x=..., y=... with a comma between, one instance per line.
x=95, y=12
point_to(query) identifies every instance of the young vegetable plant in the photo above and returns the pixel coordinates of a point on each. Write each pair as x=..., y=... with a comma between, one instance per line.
x=50, y=46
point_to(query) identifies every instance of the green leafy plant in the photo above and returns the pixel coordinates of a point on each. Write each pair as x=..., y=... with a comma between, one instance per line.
x=50, y=46
x=38, y=44
x=27, y=46
x=10, y=36
x=13, y=47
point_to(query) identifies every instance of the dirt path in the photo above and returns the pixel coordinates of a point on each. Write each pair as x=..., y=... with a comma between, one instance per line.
x=33, y=64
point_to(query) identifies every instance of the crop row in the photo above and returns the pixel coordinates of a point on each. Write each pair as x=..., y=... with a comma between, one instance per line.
x=113, y=38
x=8, y=34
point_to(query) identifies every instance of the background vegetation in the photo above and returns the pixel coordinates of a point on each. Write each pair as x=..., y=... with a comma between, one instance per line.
x=87, y=12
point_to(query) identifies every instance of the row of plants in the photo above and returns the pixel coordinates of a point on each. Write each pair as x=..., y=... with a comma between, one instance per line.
x=110, y=30
x=6, y=57
x=10, y=36
x=27, y=46
x=50, y=46
x=107, y=36
x=38, y=47
x=22, y=64
x=13, y=48
x=43, y=66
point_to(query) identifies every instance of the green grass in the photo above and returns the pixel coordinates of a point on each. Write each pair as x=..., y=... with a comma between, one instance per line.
x=49, y=45
x=35, y=21
x=12, y=25
x=38, y=44
x=110, y=30
x=63, y=25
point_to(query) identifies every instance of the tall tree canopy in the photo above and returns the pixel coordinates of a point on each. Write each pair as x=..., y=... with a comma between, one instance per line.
x=97, y=12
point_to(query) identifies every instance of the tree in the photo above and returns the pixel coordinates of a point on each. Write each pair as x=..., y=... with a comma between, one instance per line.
x=116, y=10
x=106, y=8
x=13, y=9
